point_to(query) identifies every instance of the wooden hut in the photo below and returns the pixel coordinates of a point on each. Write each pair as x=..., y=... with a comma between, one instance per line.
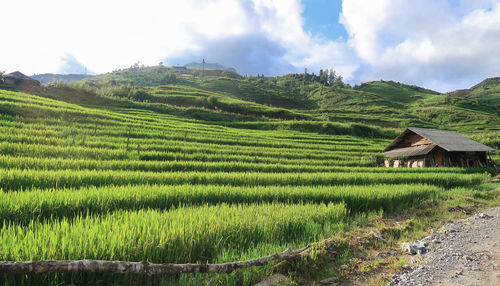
x=421, y=147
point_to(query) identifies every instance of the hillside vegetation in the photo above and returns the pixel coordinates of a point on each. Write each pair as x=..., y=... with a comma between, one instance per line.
x=151, y=164
x=383, y=103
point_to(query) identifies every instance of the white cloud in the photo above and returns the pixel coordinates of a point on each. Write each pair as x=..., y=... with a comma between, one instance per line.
x=105, y=35
x=433, y=43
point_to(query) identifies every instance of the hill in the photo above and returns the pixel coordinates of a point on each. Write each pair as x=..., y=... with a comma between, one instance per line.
x=209, y=66
x=294, y=101
x=386, y=104
x=88, y=176
x=17, y=81
x=47, y=78
x=160, y=165
x=484, y=93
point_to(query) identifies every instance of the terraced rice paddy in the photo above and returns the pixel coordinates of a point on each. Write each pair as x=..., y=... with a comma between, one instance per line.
x=127, y=184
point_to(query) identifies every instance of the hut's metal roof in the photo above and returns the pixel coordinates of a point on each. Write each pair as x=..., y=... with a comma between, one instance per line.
x=410, y=151
x=448, y=140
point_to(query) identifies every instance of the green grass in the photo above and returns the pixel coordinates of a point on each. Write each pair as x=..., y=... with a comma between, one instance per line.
x=42, y=204
x=17, y=179
x=177, y=236
x=217, y=168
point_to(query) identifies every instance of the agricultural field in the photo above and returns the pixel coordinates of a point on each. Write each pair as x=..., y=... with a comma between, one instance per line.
x=133, y=183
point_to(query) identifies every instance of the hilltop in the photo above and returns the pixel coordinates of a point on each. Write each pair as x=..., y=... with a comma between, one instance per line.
x=486, y=92
x=209, y=66
x=47, y=78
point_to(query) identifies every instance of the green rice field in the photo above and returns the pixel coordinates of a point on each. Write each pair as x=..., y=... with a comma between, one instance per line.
x=131, y=184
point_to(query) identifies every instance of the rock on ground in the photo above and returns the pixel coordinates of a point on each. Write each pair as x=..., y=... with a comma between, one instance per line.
x=465, y=252
x=273, y=280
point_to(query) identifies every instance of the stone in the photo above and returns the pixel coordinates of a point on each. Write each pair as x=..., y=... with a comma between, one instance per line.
x=376, y=235
x=413, y=248
x=329, y=281
x=273, y=280
x=484, y=215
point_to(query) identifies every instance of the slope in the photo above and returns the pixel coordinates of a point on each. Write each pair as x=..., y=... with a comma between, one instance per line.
x=88, y=176
x=382, y=103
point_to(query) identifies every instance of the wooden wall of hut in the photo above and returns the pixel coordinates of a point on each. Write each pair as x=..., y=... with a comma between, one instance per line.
x=441, y=158
x=412, y=140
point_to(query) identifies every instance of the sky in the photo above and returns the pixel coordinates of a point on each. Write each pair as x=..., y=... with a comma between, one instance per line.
x=439, y=44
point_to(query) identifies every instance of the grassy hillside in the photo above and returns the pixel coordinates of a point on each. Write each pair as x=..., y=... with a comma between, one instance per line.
x=485, y=93
x=124, y=182
x=47, y=78
x=151, y=164
x=381, y=103
x=298, y=101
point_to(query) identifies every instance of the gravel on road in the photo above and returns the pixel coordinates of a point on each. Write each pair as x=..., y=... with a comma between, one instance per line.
x=464, y=252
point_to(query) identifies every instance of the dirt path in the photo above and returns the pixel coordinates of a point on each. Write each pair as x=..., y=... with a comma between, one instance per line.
x=465, y=252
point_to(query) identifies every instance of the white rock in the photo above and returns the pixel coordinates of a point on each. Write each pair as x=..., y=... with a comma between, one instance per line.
x=484, y=215
x=417, y=247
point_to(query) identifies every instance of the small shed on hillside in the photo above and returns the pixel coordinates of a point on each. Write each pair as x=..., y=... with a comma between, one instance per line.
x=422, y=147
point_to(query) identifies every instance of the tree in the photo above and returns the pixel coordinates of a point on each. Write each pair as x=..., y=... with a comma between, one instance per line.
x=323, y=76
x=169, y=78
x=339, y=81
x=332, y=76
x=137, y=65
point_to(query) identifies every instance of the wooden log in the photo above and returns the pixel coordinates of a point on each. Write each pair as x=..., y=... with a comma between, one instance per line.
x=139, y=268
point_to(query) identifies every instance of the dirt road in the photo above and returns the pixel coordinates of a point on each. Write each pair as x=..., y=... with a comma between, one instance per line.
x=465, y=252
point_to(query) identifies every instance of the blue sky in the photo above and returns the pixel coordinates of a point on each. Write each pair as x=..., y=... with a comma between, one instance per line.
x=438, y=44
x=322, y=19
